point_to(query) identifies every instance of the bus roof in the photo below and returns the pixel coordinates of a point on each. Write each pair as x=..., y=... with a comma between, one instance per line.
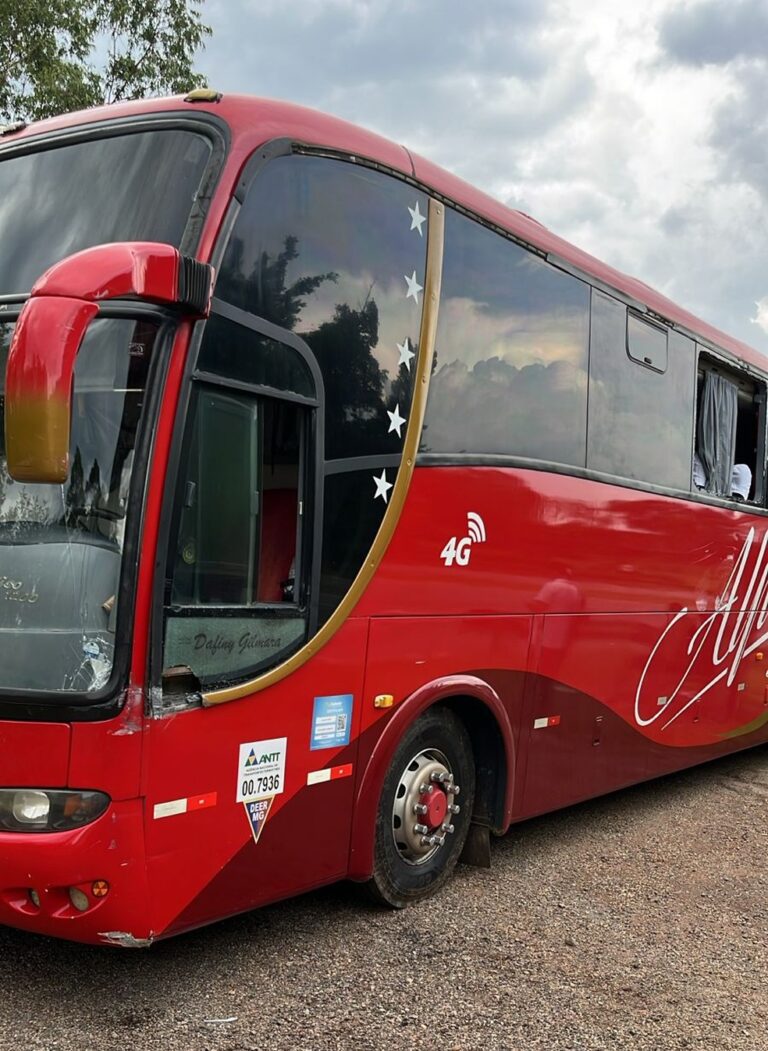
x=253, y=121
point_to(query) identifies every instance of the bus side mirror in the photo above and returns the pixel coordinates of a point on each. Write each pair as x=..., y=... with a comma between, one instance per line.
x=50, y=331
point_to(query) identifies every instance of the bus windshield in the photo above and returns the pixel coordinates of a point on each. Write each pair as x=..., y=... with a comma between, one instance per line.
x=61, y=546
x=130, y=187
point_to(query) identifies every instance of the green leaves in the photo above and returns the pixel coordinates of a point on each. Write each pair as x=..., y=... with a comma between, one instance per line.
x=57, y=56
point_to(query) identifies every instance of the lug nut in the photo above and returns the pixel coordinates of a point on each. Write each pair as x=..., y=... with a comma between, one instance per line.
x=421, y=830
x=454, y=808
x=426, y=790
x=443, y=778
x=420, y=808
x=446, y=828
x=453, y=789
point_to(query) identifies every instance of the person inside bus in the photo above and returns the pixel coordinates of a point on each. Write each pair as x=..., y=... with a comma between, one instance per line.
x=699, y=474
x=741, y=482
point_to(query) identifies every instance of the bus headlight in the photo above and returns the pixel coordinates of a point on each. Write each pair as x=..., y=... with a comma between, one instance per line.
x=48, y=809
x=31, y=808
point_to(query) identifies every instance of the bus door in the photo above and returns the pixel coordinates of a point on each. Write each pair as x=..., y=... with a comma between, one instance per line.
x=249, y=797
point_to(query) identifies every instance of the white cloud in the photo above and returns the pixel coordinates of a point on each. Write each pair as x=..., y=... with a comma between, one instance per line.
x=761, y=317
x=636, y=131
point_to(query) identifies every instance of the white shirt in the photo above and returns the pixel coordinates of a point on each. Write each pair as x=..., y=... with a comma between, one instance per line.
x=741, y=480
x=699, y=475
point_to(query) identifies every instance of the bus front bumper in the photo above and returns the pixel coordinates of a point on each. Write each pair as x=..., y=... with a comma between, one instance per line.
x=88, y=885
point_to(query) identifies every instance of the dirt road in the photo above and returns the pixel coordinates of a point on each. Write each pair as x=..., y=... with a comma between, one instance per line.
x=633, y=922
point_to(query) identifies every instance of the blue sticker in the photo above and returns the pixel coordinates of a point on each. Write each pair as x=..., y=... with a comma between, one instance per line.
x=331, y=721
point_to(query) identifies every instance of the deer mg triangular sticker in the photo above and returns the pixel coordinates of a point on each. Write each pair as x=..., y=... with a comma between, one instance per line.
x=258, y=812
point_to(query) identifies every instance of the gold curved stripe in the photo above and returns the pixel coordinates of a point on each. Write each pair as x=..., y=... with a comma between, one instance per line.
x=427, y=333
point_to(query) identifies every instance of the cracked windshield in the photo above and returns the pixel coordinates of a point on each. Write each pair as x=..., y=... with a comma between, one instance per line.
x=61, y=546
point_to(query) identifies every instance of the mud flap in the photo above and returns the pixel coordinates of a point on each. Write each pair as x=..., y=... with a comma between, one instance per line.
x=477, y=849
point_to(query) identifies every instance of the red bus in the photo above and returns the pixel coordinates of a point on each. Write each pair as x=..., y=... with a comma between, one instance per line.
x=346, y=518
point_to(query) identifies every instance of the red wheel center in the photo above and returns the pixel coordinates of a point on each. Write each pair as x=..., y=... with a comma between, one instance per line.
x=437, y=807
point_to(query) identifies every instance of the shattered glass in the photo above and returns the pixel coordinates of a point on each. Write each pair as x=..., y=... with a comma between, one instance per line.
x=62, y=546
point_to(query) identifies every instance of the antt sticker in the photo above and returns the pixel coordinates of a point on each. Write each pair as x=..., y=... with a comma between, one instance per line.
x=261, y=769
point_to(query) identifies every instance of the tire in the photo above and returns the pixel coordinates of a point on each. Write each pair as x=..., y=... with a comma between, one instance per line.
x=409, y=865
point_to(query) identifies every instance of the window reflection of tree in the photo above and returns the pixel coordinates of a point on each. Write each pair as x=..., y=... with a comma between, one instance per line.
x=345, y=339
x=357, y=388
x=264, y=291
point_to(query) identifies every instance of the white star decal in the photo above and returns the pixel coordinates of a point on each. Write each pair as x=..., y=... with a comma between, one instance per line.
x=396, y=421
x=382, y=486
x=405, y=354
x=417, y=219
x=413, y=287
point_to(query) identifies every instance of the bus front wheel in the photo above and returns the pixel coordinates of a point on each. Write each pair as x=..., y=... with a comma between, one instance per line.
x=424, y=810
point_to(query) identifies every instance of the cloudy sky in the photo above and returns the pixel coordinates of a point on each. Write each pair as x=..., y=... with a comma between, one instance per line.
x=637, y=131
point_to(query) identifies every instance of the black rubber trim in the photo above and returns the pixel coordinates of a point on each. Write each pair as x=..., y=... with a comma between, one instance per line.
x=194, y=288
x=254, y=164
x=362, y=463
x=524, y=464
x=155, y=648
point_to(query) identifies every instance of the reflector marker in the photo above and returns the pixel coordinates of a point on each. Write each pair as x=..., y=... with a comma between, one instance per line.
x=548, y=720
x=330, y=773
x=184, y=806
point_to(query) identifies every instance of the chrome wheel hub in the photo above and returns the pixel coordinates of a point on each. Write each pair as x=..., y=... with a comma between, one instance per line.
x=425, y=803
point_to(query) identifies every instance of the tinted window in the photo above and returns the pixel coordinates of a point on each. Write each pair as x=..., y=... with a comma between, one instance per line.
x=640, y=420
x=234, y=573
x=218, y=533
x=127, y=188
x=646, y=343
x=352, y=518
x=241, y=354
x=511, y=369
x=330, y=250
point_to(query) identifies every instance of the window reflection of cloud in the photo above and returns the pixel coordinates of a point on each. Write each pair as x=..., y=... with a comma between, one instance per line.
x=348, y=220
x=537, y=410
x=398, y=316
x=512, y=352
x=636, y=432
x=521, y=337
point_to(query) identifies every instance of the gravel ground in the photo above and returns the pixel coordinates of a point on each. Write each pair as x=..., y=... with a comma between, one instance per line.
x=636, y=921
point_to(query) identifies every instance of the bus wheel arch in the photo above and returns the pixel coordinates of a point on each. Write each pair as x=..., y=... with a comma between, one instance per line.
x=494, y=772
x=482, y=719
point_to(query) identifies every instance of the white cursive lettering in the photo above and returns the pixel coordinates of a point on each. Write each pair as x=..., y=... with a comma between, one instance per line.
x=728, y=635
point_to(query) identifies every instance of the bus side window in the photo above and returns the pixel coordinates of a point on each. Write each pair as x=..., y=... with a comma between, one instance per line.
x=641, y=397
x=236, y=593
x=729, y=447
x=512, y=352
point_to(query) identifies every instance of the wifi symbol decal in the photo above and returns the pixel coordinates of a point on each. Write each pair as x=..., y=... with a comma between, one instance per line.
x=459, y=550
x=475, y=528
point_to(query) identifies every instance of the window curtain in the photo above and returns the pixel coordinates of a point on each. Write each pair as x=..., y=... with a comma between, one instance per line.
x=716, y=432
